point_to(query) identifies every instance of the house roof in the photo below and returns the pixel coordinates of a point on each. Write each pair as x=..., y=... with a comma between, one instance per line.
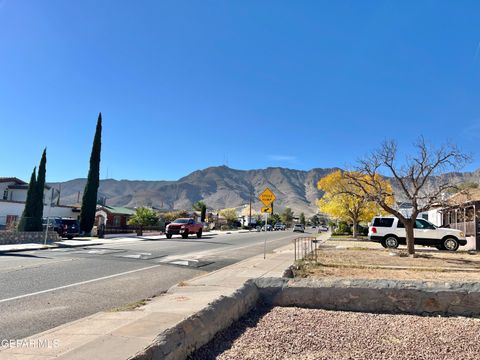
x=12, y=179
x=117, y=210
x=465, y=196
x=18, y=186
x=24, y=186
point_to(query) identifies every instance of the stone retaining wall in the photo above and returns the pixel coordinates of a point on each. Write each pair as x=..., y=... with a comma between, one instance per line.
x=376, y=296
x=197, y=330
x=24, y=237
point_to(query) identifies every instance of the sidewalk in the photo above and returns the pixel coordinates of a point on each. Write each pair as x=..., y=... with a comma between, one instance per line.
x=121, y=335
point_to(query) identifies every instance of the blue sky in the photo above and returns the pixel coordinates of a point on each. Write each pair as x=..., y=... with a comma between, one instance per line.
x=184, y=85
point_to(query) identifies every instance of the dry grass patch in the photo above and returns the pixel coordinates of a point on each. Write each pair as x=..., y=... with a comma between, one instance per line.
x=130, y=307
x=371, y=261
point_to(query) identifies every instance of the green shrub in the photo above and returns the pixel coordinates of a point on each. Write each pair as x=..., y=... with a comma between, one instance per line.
x=363, y=230
x=343, y=229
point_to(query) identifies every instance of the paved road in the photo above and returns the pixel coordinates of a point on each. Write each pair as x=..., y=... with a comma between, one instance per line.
x=46, y=288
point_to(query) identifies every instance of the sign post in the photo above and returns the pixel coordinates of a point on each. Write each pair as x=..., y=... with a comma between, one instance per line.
x=265, y=239
x=267, y=197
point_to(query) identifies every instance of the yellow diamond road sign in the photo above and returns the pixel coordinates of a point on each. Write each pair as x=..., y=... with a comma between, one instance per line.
x=266, y=209
x=267, y=197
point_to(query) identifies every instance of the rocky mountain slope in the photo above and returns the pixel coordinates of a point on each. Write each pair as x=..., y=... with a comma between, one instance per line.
x=221, y=187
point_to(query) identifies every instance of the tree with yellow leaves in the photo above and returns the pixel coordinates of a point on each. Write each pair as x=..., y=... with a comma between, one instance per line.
x=343, y=200
x=230, y=215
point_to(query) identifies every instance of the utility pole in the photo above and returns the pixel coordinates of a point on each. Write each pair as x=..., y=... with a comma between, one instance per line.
x=59, y=193
x=250, y=210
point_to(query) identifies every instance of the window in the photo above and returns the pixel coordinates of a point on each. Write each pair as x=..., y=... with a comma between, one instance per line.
x=383, y=222
x=422, y=224
x=116, y=221
x=181, y=221
x=5, y=194
x=400, y=225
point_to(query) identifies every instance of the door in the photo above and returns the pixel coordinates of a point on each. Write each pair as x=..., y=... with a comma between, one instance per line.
x=11, y=221
x=425, y=233
x=400, y=232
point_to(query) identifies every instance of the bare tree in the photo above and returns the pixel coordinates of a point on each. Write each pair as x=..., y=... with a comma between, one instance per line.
x=418, y=178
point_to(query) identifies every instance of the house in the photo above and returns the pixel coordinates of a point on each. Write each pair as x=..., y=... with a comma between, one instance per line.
x=14, y=189
x=13, y=194
x=433, y=215
x=113, y=216
x=463, y=213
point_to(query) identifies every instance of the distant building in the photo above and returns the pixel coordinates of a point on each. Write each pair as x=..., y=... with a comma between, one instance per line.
x=13, y=194
x=113, y=216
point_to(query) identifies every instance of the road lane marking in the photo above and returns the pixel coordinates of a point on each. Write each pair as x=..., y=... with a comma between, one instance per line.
x=216, y=251
x=78, y=283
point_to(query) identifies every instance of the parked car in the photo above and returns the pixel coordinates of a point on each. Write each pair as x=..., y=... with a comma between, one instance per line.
x=184, y=227
x=279, y=226
x=65, y=227
x=268, y=227
x=322, y=228
x=298, y=228
x=390, y=232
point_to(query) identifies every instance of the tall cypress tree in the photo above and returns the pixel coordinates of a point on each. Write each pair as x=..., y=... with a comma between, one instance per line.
x=29, y=211
x=89, y=200
x=39, y=190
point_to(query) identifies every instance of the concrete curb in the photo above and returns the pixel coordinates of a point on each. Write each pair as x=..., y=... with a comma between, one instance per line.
x=43, y=247
x=197, y=330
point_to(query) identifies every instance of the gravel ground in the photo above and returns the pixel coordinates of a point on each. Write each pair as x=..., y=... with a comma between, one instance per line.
x=296, y=333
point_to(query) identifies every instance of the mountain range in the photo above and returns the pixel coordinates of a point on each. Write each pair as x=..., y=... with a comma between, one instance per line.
x=221, y=187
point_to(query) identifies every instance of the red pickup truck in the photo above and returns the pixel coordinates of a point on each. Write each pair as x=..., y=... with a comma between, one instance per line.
x=184, y=227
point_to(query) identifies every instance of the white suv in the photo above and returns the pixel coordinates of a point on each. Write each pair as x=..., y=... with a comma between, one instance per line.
x=390, y=232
